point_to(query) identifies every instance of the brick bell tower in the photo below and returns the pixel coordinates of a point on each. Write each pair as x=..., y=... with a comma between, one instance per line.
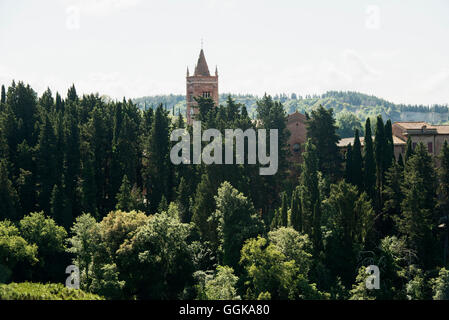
x=201, y=84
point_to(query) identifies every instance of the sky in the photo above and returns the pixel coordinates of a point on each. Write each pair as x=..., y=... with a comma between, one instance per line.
x=397, y=50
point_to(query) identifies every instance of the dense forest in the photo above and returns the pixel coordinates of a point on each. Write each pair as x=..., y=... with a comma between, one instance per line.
x=89, y=182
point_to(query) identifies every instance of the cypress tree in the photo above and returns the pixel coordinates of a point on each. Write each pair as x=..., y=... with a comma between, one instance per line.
x=321, y=128
x=158, y=172
x=389, y=146
x=369, y=165
x=348, y=164
x=46, y=163
x=401, y=161
x=419, y=218
x=409, y=149
x=357, y=162
x=443, y=189
x=59, y=209
x=316, y=233
x=203, y=207
x=379, y=155
x=89, y=187
x=295, y=218
x=71, y=94
x=124, y=196
x=3, y=95
x=9, y=200
x=183, y=200
x=284, y=211
x=309, y=186
x=393, y=197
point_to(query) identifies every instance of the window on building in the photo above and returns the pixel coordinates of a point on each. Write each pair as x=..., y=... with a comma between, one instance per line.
x=430, y=147
x=206, y=94
x=190, y=97
x=296, y=147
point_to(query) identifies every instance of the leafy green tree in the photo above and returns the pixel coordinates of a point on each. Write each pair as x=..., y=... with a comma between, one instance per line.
x=84, y=244
x=222, y=286
x=38, y=229
x=294, y=246
x=271, y=274
x=440, y=285
x=347, y=124
x=17, y=256
x=160, y=247
x=236, y=220
x=416, y=288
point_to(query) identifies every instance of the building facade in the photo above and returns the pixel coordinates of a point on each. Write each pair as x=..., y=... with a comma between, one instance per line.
x=296, y=124
x=201, y=84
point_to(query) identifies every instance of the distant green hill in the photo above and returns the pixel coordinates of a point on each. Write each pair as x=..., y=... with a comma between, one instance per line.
x=362, y=105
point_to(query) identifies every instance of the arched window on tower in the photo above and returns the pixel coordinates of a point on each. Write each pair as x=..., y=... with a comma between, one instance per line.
x=296, y=147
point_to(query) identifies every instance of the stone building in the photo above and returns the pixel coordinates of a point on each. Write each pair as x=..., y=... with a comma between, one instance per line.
x=432, y=136
x=399, y=144
x=296, y=124
x=201, y=84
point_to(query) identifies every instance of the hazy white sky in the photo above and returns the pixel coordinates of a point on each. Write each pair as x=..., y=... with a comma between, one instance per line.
x=398, y=50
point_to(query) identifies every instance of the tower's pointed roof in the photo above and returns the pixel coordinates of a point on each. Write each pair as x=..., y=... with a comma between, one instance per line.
x=201, y=68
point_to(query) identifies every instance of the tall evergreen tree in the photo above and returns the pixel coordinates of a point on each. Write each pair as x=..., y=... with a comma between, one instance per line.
x=124, y=196
x=348, y=164
x=443, y=188
x=389, y=146
x=409, y=149
x=295, y=218
x=310, y=194
x=369, y=164
x=379, y=154
x=203, y=208
x=322, y=130
x=9, y=200
x=419, y=217
x=357, y=162
x=46, y=163
x=60, y=209
x=158, y=174
x=3, y=95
